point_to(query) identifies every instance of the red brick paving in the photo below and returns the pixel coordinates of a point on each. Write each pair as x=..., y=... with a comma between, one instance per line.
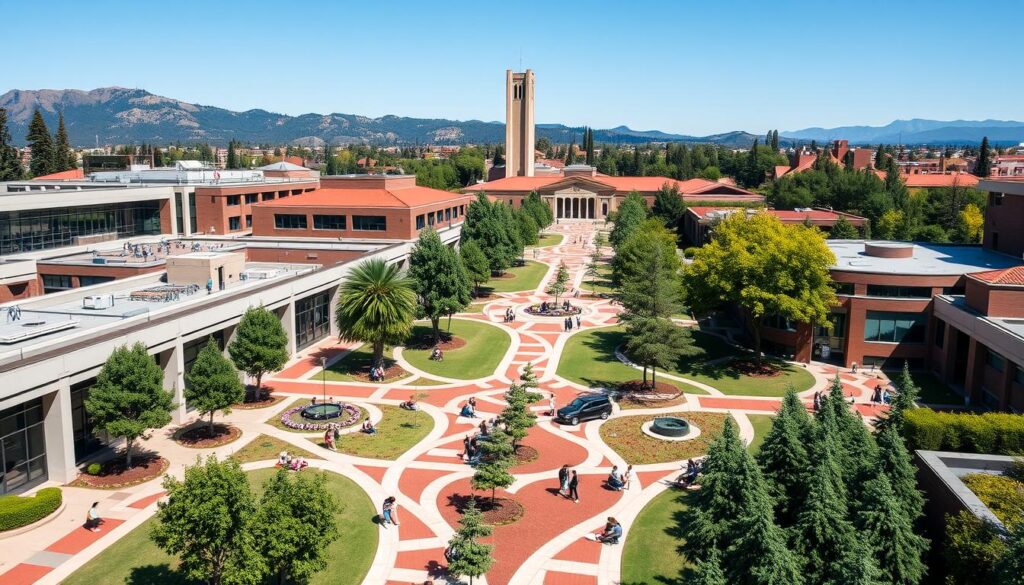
x=412, y=528
x=317, y=388
x=650, y=477
x=581, y=551
x=377, y=473
x=24, y=574
x=80, y=538
x=146, y=501
x=554, y=452
x=427, y=559
x=414, y=481
x=739, y=403
x=558, y=578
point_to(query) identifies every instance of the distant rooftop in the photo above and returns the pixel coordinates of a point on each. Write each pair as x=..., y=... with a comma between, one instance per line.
x=922, y=258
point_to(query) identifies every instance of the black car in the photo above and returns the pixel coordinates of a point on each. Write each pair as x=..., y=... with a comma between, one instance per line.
x=585, y=407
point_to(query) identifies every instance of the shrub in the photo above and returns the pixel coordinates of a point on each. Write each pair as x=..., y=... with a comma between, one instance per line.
x=94, y=469
x=17, y=511
x=973, y=547
x=1003, y=495
x=689, y=252
x=999, y=433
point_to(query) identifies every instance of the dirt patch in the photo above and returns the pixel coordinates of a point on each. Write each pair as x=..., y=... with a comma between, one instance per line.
x=487, y=296
x=502, y=276
x=199, y=437
x=637, y=387
x=114, y=474
x=526, y=454
x=254, y=404
x=447, y=343
x=755, y=369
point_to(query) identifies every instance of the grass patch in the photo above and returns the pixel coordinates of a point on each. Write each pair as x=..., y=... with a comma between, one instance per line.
x=265, y=447
x=650, y=554
x=136, y=559
x=474, y=308
x=762, y=424
x=603, y=282
x=356, y=362
x=424, y=382
x=730, y=381
x=546, y=240
x=525, y=277
x=624, y=436
x=485, y=346
x=398, y=431
x=275, y=421
x=589, y=359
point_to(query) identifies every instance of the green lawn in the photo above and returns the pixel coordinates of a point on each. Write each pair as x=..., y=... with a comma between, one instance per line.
x=549, y=240
x=398, y=431
x=425, y=382
x=762, y=424
x=525, y=277
x=265, y=447
x=475, y=308
x=485, y=346
x=275, y=421
x=135, y=560
x=649, y=555
x=626, y=437
x=354, y=362
x=729, y=381
x=603, y=282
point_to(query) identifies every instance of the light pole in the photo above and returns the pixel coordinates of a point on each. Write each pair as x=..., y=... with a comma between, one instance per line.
x=323, y=376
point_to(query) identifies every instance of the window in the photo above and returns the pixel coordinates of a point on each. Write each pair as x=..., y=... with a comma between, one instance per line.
x=22, y=446
x=844, y=288
x=995, y=361
x=248, y=221
x=234, y=224
x=372, y=223
x=995, y=199
x=91, y=280
x=940, y=333
x=440, y=216
x=902, y=292
x=284, y=221
x=44, y=229
x=329, y=222
x=234, y=200
x=953, y=290
x=448, y=214
x=420, y=221
x=894, y=327
x=430, y=219
x=312, y=319
x=55, y=283
x=268, y=196
x=251, y=198
x=777, y=322
x=838, y=321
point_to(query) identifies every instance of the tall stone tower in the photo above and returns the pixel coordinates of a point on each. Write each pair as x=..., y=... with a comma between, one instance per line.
x=519, y=124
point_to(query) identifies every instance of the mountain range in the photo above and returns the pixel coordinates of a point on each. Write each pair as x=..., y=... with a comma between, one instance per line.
x=117, y=115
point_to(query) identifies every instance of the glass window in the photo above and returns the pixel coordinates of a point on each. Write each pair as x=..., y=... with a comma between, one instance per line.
x=838, y=321
x=329, y=222
x=248, y=221
x=894, y=327
x=844, y=288
x=289, y=221
x=777, y=322
x=420, y=221
x=995, y=361
x=234, y=200
x=447, y=214
x=22, y=446
x=268, y=196
x=234, y=223
x=312, y=319
x=251, y=198
x=903, y=292
x=91, y=280
x=44, y=229
x=375, y=223
x=55, y=283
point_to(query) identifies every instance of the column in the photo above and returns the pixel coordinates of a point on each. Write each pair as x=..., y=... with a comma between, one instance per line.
x=173, y=363
x=186, y=212
x=58, y=433
x=330, y=307
x=288, y=322
x=975, y=370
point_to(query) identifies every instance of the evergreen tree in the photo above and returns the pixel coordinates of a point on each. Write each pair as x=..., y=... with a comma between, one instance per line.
x=526, y=227
x=439, y=279
x=889, y=533
x=785, y=459
x=10, y=161
x=646, y=268
x=212, y=383
x=718, y=502
x=570, y=154
x=669, y=206
x=260, y=345
x=208, y=523
x=493, y=470
x=517, y=416
x=708, y=571
x=983, y=165
x=657, y=342
x=63, y=156
x=332, y=161
x=475, y=262
x=560, y=283
x=631, y=214
x=295, y=525
x=880, y=157
x=128, y=398
x=538, y=210
x=856, y=454
x=594, y=268
x=470, y=557
x=232, y=162
x=41, y=143
x=528, y=379
x=1010, y=569
x=905, y=399
x=843, y=230
x=894, y=461
x=489, y=224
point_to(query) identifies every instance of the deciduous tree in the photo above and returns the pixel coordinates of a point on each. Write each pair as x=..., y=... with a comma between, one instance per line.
x=260, y=345
x=440, y=280
x=475, y=262
x=630, y=215
x=560, y=283
x=212, y=384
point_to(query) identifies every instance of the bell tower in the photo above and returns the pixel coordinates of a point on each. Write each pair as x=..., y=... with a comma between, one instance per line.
x=520, y=136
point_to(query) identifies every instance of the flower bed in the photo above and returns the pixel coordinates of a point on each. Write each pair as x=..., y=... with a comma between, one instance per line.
x=350, y=417
x=114, y=474
x=553, y=311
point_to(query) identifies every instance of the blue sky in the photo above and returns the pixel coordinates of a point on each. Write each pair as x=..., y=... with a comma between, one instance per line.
x=687, y=67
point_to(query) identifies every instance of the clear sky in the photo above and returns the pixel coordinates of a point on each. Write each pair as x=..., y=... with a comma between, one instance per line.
x=688, y=67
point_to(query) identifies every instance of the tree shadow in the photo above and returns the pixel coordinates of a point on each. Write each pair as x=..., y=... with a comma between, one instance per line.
x=162, y=573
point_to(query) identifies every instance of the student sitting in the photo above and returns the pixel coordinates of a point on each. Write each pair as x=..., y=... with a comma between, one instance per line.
x=468, y=411
x=284, y=459
x=410, y=404
x=615, y=480
x=612, y=532
x=298, y=464
x=368, y=428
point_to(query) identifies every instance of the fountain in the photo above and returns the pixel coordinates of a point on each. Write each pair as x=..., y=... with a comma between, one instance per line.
x=322, y=411
x=670, y=426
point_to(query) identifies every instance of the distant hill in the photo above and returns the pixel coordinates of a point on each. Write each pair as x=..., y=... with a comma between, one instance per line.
x=117, y=115
x=918, y=131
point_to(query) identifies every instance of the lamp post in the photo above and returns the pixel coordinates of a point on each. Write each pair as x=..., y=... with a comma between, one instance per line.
x=323, y=376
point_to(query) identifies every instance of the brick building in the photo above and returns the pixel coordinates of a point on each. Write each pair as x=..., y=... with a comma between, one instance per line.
x=699, y=221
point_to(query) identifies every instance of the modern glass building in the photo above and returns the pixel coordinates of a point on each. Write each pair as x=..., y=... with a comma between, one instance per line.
x=43, y=229
x=23, y=455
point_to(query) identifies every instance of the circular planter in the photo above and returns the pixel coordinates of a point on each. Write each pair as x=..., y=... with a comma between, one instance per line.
x=692, y=433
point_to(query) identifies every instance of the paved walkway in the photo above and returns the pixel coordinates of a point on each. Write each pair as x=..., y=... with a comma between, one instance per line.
x=546, y=546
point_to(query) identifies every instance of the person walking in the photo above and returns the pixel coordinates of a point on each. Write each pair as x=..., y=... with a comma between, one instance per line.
x=628, y=477
x=577, y=321
x=574, y=484
x=563, y=480
x=92, y=519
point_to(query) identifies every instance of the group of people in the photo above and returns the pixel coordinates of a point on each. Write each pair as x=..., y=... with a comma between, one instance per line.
x=389, y=512
x=880, y=395
x=568, y=324
x=437, y=355
x=286, y=460
x=510, y=315
x=569, y=483
x=469, y=408
x=331, y=436
x=377, y=373
x=618, y=481
x=471, y=449
x=144, y=251
x=691, y=469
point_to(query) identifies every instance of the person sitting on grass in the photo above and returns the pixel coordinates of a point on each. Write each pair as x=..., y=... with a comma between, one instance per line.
x=368, y=428
x=411, y=403
x=615, y=480
x=284, y=459
x=612, y=532
x=329, y=438
x=299, y=463
x=437, y=355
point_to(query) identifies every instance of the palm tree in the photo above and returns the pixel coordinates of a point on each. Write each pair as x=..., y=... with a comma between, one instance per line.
x=376, y=305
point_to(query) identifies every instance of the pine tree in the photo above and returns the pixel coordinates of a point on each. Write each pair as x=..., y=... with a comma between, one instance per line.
x=570, y=154
x=857, y=452
x=842, y=230
x=983, y=166
x=708, y=571
x=880, y=157
x=905, y=399
x=63, y=156
x=10, y=161
x=894, y=461
x=528, y=381
x=469, y=556
x=493, y=470
x=41, y=143
x=517, y=416
x=232, y=162
x=212, y=383
x=784, y=457
x=717, y=503
x=889, y=533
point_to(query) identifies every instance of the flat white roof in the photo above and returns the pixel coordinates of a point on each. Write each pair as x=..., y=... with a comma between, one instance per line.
x=927, y=259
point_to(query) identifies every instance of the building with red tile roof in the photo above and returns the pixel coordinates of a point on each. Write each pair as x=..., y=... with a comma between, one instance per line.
x=698, y=221
x=580, y=192
x=932, y=181
x=390, y=207
x=75, y=174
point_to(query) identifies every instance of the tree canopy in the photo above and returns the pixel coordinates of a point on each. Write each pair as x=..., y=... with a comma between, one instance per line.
x=212, y=384
x=376, y=305
x=439, y=278
x=260, y=345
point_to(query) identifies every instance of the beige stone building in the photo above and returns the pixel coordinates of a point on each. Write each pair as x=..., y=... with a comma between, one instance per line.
x=520, y=135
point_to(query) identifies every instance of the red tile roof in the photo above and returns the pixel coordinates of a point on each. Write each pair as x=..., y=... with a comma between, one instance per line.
x=925, y=180
x=391, y=198
x=621, y=184
x=1013, y=276
x=71, y=175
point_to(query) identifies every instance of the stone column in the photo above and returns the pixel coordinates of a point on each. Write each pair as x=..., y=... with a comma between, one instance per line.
x=288, y=322
x=173, y=363
x=58, y=433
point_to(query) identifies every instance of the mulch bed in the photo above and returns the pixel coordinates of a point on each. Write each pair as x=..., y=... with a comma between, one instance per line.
x=526, y=454
x=114, y=475
x=254, y=404
x=628, y=401
x=198, y=436
x=503, y=276
x=391, y=373
x=500, y=512
x=754, y=369
x=637, y=388
x=447, y=343
x=488, y=296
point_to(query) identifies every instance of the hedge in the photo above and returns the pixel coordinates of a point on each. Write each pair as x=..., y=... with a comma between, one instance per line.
x=17, y=511
x=1003, y=495
x=997, y=433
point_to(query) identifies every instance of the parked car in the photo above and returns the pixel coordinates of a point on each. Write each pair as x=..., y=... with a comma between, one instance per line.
x=585, y=407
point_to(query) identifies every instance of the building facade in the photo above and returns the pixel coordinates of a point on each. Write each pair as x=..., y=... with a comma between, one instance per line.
x=520, y=129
